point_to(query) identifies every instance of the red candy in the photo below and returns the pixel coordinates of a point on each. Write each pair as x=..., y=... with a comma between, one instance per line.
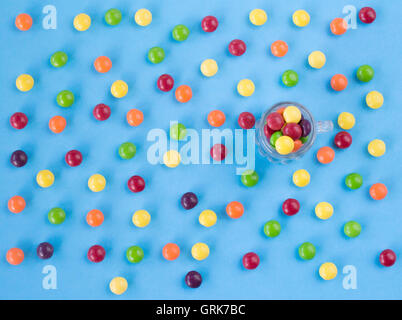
x=18, y=120
x=96, y=253
x=387, y=258
x=290, y=207
x=136, y=184
x=246, y=120
x=275, y=121
x=165, y=83
x=292, y=130
x=209, y=24
x=268, y=131
x=237, y=47
x=218, y=152
x=367, y=15
x=73, y=158
x=101, y=112
x=343, y=140
x=251, y=260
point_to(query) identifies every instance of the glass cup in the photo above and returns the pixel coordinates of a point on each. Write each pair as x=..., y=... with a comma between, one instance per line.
x=269, y=152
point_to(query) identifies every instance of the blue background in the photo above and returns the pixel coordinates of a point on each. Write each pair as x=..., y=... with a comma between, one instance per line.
x=281, y=274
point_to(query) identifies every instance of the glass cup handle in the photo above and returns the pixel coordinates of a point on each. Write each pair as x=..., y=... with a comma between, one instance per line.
x=324, y=126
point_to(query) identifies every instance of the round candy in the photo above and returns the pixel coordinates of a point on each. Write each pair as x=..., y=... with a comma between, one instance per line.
x=218, y=152
x=290, y=207
x=134, y=117
x=44, y=250
x=143, y=17
x=275, y=121
x=301, y=178
x=246, y=120
x=82, y=22
x=96, y=182
x=24, y=82
x=306, y=127
x=325, y=155
x=73, y=158
x=189, y=200
x=141, y=218
x=58, y=59
x=301, y=18
x=353, y=181
x=249, y=178
x=367, y=15
x=275, y=136
x=95, y=218
x=209, y=67
x=127, y=150
x=292, y=130
x=156, y=55
x=387, y=258
x=279, y=48
x=284, y=145
x=177, y=131
x=258, y=17
x=365, y=73
x=292, y=114
x=96, y=253
x=328, y=271
x=251, y=260
x=165, y=82
x=183, y=93
x=101, y=112
x=134, y=254
x=298, y=144
x=324, y=210
x=200, y=251
x=378, y=191
x=343, y=140
x=338, y=26
x=56, y=216
x=119, y=89
x=339, y=82
x=118, y=285
x=207, y=218
x=102, y=64
x=171, y=251
x=237, y=47
x=209, y=24
x=180, y=32
x=316, y=59
x=193, y=279
x=374, y=99
x=23, y=22
x=16, y=204
x=19, y=158
x=18, y=120
x=307, y=251
x=57, y=124
x=15, y=256
x=216, y=118
x=113, y=17
x=171, y=158
x=376, y=148
x=346, y=120
x=65, y=98
x=290, y=78
x=272, y=228
x=352, y=229
x=45, y=178
x=234, y=209
x=136, y=184
x=245, y=87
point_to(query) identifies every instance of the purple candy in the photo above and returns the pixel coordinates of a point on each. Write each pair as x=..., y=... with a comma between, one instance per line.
x=193, y=279
x=19, y=158
x=189, y=200
x=306, y=127
x=44, y=250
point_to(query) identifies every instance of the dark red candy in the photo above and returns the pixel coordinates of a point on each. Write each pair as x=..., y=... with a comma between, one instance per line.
x=306, y=127
x=96, y=253
x=193, y=279
x=101, y=112
x=343, y=140
x=237, y=47
x=165, y=82
x=218, y=152
x=18, y=120
x=19, y=158
x=73, y=158
x=292, y=130
x=275, y=121
x=290, y=207
x=251, y=260
x=136, y=184
x=268, y=131
x=189, y=200
x=246, y=120
x=209, y=24
x=367, y=15
x=387, y=258
x=44, y=250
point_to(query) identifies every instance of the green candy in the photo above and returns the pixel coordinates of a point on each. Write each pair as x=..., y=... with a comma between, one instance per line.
x=275, y=137
x=178, y=132
x=365, y=73
x=134, y=254
x=156, y=55
x=290, y=78
x=127, y=150
x=354, y=181
x=352, y=229
x=113, y=17
x=307, y=251
x=180, y=32
x=65, y=98
x=272, y=228
x=56, y=216
x=304, y=139
x=58, y=59
x=249, y=178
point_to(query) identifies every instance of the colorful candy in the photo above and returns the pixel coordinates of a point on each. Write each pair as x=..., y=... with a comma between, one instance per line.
x=387, y=258
x=339, y=82
x=119, y=89
x=258, y=17
x=136, y=184
x=134, y=254
x=171, y=158
x=56, y=216
x=346, y=120
x=73, y=158
x=290, y=207
x=365, y=73
x=338, y=26
x=301, y=18
x=328, y=271
x=324, y=210
x=82, y=22
x=189, y=200
x=292, y=130
x=307, y=251
x=15, y=256
x=245, y=87
x=127, y=150
x=19, y=120
x=24, y=82
x=134, y=117
x=249, y=178
x=102, y=64
x=209, y=67
x=251, y=260
x=343, y=140
x=352, y=229
x=301, y=178
x=193, y=279
x=101, y=112
x=96, y=254
x=183, y=93
x=317, y=59
x=178, y=132
x=378, y=191
x=246, y=120
x=306, y=128
x=275, y=121
x=200, y=251
x=218, y=152
x=45, y=250
x=216, y=118
x=171, y=251
x=374, y=99
x=354, y=181
x=207, y=218
x=58, y=59
x=367, y=15
x=376, y=148
x=180, y=32
x=141, y=218
x=237, y=47
x=234, y=209
x=96, y=182
x=118, y=285
x=272, y=228
x=19, y=158
x=209, y=24
x=57, y=124
x=95, y=218
x=290, y=78
x=279, y=48
x=143, y=17
x=45, y=178
x=284, y=145
x=16, y=204
x=65, y=98
x=325, y=155
x=165, y=82
x=156, y=55
x=113, y=17
x=23, y=22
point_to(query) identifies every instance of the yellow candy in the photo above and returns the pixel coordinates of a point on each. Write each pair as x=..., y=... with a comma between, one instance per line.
x=324, y=210
x=24, y=82
x=207, y=218
x=245, y=87
x=143, y=17
x=96, y=182
x=45, y=178
x=171, y=158
x=376, y=148
x=301, y=178
x=209, y=67
x=141, y=218
x=328, y=271
x=118, y=285
x=316, y=59
x=82, y=22
x=258, y=17
x=346, y=120
x=301, y=18
x=374, y=99
x=292, y=114
x=284, y=145
x=119, y=89
x=200, y=251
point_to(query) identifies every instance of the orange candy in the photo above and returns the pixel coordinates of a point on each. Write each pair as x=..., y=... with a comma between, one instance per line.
x=15, y=256
x=57, y=124
x=95, y=218
x=339, y=82
x=102, y=64
x=23, y=22
x=235, y=209
x=297, y=145
x=135, y=117
x=325, y=155
x=378, y=191
x=281, y=110
x=183, y=93
x=338, y=26
x=279, y=48
x=16, y=204
x=171, y=251
x=216, y=118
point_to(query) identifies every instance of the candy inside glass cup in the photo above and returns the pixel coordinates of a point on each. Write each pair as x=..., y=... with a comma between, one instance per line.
x=268, y=151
